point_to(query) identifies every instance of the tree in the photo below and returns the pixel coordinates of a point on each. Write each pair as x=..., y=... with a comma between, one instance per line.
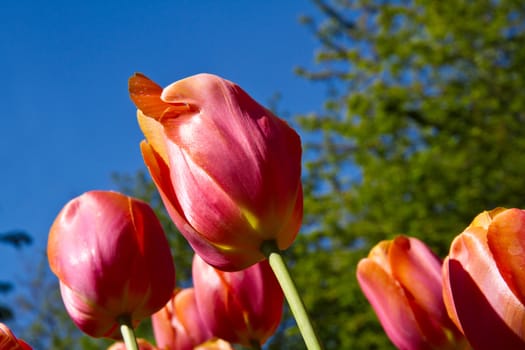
x=422, y=130
x=17, y=239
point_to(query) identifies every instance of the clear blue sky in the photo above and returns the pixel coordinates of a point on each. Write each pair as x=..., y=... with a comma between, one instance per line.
x=67, y=122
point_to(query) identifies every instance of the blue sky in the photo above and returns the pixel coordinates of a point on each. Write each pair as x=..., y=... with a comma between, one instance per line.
x=67, y=122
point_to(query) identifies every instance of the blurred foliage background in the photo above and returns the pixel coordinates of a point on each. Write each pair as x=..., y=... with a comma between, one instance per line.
x=423, y=127
x=16, y=239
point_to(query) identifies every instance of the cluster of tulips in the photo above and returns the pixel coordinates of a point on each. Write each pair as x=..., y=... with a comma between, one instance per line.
x=474, y=299
x=115, y=267
x=229, y=174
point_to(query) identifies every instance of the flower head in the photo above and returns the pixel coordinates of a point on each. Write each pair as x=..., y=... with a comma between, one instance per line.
x=402, y=280
x=483, y=280
x=8, y=341
x=178, y=325
x=228, y=170
x=242, y=307
x=113, y=261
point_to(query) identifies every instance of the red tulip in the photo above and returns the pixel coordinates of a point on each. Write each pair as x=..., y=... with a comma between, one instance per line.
x=227, y=169
x=401, y=279
x=113, y=261
x=242, y=307
x=483, y=279
x=178, y=325
x=8, y=341
x=142, y=343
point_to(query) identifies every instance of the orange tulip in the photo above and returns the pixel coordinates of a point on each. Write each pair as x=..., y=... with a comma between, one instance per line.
x=113, y=261
x=483, y=280
x=215, y=344
x=142, y=343
x=227, y=169
x=401, y=279
x=8, y=341
x=178, y=325
x=243, y=307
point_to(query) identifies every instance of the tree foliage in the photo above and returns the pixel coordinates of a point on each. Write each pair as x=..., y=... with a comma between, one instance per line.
x=17, y=239
x=422, y=130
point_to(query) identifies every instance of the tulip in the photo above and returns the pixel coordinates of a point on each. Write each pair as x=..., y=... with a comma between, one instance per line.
x=242, y=307
x=143, y=344
x=401, y=278
x=483, y=281
x=113, y=261
x=215, y=344
x=178, y=325
x=227, y=169
x=8, y=341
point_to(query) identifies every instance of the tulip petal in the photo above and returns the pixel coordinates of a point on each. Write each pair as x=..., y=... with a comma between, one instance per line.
x=253, y=155
x=390, y=303
x=224, y=259
x=476, y=296
x=258, y=292
x=213, y=302
x=215, y=344
x=291, y=226
x=153, y=132
x=241, y=306
x=216, y=214
x=411, y=260
x=112, y=258
x=88, y=316
x=178, y=325
x=151, y=110
x=506, y=239
x=189, y=318
x=448, y=296
x=8, y=340
x=145, y=94
x=163, y=330
x=70, y=251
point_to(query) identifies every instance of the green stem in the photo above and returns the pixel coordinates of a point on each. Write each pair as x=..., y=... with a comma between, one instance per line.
x=295, y=302
x=127, y=333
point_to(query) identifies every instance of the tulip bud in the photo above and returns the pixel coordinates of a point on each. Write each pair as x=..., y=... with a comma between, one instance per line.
x=482, y=277
x=113, y=261
x=227, y=169
x=178, y=325
x=401, y=279
x=8, y=341
x=242, y=307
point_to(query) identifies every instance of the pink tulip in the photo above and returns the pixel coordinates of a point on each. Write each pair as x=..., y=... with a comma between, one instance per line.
x=242, y=307
x=178, y=325
x=401, y=279
x=8, y=341
x=483, y=279
x=113, y=261
x=227, y=169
